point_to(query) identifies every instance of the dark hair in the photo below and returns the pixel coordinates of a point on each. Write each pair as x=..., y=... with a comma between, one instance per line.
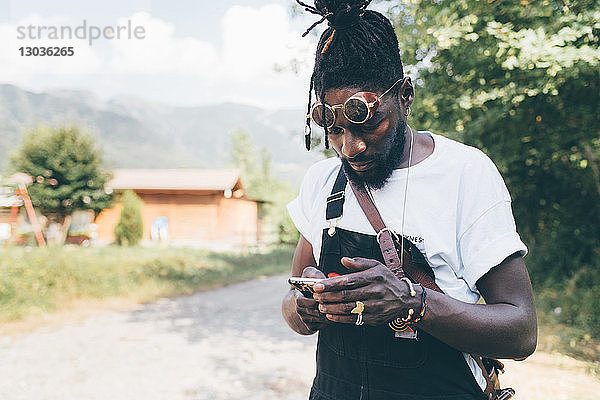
x=359, y=48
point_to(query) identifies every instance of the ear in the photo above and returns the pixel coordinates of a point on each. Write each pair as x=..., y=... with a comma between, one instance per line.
x=406, y=94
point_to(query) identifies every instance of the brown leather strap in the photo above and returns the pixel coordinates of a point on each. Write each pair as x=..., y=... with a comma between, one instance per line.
x=407, y=267
x=387, y=243
x=490, y=390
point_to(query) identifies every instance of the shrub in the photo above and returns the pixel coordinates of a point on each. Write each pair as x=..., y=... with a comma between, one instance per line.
x=130, y=229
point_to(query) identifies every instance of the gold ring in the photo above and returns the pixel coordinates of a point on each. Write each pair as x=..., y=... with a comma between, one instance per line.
x=360, y=307
x=359, y=320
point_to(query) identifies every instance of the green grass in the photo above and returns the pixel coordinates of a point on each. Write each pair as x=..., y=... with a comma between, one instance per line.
x=36, y=281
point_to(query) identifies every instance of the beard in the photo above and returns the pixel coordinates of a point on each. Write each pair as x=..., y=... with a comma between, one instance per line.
x=383, y=164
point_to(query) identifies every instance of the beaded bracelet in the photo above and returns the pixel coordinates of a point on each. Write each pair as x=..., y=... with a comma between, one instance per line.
x=411, y=312
x=413, y=293
x=423, y=305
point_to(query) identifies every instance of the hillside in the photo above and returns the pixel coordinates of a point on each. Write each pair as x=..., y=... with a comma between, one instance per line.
x=138, y=134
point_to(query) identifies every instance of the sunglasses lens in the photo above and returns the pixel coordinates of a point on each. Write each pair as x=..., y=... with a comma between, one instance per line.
x=356, y=110
x=322, y=119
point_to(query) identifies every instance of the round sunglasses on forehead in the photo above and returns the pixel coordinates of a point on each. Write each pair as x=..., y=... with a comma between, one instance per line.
x=358, y=109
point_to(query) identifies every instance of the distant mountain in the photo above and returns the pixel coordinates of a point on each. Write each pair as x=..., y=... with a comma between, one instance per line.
x=139, y=134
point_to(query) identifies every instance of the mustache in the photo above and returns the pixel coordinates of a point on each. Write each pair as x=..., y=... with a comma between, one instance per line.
x=361, y=159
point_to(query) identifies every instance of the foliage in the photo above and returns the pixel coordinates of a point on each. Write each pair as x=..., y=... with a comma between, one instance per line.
x=257, y=176
x=521, y=81
x=67, y=171
x=569, y=316
x=575, y=300
x=316, y=146
x=40, y=280
x=130, y=229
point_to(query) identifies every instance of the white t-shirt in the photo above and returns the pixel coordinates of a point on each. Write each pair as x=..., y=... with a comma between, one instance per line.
x=458, y=214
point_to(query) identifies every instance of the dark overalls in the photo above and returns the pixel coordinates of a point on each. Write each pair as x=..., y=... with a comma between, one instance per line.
x=369, y=362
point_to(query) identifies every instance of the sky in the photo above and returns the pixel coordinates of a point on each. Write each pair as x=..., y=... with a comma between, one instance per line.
x=191, y=52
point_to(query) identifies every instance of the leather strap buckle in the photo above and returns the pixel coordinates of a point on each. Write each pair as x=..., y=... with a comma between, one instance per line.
x=390, y=231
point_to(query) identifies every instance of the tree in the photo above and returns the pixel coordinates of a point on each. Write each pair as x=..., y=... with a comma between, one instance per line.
x=67, y=171
x=130, y=229
x=255, y=168
x=520, y=80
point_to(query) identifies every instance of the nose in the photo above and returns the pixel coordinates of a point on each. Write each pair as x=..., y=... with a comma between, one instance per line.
x=352, y=145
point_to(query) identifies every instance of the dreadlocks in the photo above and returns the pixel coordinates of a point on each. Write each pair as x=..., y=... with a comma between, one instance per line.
x=359, y=48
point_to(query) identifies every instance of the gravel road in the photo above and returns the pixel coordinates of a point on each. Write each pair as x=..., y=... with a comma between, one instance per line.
x=229, y=343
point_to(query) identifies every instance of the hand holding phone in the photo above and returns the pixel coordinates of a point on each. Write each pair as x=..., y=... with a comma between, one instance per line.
x=304, y=285
x=307, y=307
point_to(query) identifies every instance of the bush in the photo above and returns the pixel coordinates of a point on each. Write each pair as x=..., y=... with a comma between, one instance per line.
x=573, y=302
x=130, y=229
x=566, y=302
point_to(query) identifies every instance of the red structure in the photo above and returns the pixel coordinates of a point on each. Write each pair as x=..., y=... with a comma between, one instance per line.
x=19, y=198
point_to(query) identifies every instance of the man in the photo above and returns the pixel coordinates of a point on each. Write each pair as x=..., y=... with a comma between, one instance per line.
x=446, y=198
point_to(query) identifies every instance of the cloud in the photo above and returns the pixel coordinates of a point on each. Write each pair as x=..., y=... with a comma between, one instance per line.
x=160, y=51
x=257, y=40
x=260, y=58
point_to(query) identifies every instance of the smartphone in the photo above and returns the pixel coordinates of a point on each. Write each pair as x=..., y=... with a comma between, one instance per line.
x=304, y=285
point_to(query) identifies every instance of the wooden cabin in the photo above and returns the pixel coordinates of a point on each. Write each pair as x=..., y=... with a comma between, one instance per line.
x=186, y=207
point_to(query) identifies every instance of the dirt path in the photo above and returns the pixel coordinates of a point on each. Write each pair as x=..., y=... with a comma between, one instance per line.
x=229, y=343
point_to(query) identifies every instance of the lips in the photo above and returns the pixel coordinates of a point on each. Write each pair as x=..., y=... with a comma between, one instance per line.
x=362, y=166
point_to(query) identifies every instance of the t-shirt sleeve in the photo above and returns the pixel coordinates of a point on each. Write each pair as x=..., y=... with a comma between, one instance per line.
x=301, y=209
x=487, y=231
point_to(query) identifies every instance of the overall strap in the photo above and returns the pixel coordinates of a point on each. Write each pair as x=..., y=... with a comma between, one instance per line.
x=335, y=201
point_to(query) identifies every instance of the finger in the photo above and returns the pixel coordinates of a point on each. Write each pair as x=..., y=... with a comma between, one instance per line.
x=306, y=302
x=312, y=272
x=344, y=319
x=337, y=308
x=359, y=263
x=350, y=295
x=314, y=320
x=348, y=281
x=307, y=312
x=370, y=307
